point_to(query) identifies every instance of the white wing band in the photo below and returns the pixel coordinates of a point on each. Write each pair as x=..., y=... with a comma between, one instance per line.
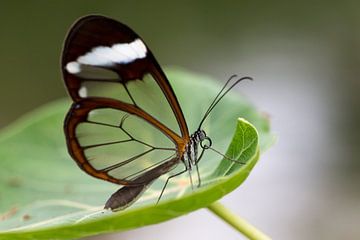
x=120, y=53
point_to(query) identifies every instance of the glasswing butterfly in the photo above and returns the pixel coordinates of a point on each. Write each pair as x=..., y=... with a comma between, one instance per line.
x=122, y=100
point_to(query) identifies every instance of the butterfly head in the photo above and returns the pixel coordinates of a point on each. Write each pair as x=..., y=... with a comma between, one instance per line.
x=200, y=137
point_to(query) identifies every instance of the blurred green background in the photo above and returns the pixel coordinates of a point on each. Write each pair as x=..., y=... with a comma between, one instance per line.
x=305, y=59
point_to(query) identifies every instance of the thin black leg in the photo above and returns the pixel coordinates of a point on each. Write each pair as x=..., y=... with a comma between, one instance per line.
x=198, y=174
x=167, y=180
x=197, y=167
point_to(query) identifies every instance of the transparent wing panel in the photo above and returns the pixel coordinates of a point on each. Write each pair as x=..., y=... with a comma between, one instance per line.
x=144, y=93
x=135, y=168
x=122, y=145
x=148, y=96
x=94, y=72
x=89, y=134
x=108, y=89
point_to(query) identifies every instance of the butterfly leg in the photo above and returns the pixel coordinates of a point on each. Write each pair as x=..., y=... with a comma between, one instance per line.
x=198, y=174
x=197, y=167
x=167, y=180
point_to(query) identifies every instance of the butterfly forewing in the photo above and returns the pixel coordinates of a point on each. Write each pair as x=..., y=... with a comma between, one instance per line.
x=144, y=93
x=125, y=120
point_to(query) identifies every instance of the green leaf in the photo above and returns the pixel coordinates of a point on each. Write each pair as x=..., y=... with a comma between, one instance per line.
x=43, y=194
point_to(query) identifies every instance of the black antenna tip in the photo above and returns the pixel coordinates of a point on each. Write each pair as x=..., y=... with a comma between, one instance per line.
x=247, y=78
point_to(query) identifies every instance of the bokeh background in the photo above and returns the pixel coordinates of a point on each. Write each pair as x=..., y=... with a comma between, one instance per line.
x=305, y=59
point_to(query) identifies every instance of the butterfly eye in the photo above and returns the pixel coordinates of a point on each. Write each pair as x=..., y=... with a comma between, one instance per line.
x=206, y=143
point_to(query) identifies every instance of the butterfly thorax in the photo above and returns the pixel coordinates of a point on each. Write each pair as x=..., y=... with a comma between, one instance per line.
x=190, y=156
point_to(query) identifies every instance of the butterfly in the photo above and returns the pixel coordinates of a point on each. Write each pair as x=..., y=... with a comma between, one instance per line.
x=121, y=99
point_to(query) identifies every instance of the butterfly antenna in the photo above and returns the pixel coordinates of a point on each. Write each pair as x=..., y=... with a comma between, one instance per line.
x=221, y=94
x=222, y=89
